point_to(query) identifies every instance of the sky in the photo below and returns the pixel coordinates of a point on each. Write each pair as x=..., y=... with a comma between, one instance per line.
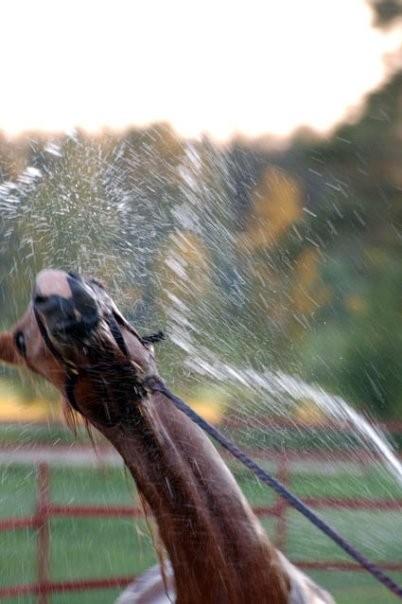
x=208, y=66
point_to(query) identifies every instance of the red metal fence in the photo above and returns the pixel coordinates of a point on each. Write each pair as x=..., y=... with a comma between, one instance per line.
x=45, y=510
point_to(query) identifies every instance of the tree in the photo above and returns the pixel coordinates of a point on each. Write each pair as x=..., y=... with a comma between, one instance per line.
x=386, y=11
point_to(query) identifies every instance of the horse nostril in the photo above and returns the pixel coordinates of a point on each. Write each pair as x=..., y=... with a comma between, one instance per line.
x=39, y=300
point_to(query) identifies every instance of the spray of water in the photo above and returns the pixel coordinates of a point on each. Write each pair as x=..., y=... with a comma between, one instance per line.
x=274, y=392
x=217, y=338
x=166, y=236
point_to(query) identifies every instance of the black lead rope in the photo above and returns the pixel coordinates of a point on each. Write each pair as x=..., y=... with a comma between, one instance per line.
x=156, y=385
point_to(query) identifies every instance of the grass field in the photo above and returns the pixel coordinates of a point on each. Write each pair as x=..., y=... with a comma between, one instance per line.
x=83, y=548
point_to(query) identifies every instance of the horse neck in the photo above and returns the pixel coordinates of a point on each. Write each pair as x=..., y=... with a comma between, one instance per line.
x=217, y=547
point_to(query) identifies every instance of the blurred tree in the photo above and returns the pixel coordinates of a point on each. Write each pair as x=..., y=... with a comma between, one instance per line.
x=353, y=344
x=275, y=206
x=386, y=11
x=357, y=352
x=13, y=157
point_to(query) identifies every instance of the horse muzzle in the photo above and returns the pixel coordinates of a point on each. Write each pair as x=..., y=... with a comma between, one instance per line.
x=69, y=318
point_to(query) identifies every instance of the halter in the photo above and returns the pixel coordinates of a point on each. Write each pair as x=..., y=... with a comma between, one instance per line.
x=72, y=371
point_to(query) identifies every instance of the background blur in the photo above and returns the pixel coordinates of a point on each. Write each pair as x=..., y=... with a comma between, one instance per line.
x=293, y=241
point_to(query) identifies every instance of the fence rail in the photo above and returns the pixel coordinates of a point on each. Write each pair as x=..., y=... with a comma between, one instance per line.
x=46, y=510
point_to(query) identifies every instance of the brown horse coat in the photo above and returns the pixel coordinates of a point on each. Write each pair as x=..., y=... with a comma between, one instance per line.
x=217, y=549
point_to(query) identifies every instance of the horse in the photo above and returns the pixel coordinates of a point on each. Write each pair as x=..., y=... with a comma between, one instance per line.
x=73, y=335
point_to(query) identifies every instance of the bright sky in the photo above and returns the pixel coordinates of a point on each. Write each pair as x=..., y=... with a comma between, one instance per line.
x=215, y=66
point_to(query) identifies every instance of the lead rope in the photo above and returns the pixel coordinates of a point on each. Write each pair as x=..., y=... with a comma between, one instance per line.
x=154, y=384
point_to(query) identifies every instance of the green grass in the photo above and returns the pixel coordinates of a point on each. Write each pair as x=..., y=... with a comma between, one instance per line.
x=52, y=434
x=103, y=547
x=80, y=548
x=355, y=587
x=372, y=483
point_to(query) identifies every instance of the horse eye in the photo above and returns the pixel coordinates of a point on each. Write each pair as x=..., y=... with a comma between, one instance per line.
x=19, y=339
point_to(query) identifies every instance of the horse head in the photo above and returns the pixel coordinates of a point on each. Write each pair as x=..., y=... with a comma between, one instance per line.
x=73, y=335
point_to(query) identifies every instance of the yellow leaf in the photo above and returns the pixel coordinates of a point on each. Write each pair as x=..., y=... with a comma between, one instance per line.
x=275, y=207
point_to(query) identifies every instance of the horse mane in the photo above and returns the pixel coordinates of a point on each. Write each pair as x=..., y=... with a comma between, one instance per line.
x=73, y=418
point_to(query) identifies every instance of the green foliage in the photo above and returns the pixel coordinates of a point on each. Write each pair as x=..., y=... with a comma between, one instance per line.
x=354, y=342
x=357, y=349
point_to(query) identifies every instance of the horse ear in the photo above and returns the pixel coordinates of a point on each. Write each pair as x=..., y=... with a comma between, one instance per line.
x=8, y=350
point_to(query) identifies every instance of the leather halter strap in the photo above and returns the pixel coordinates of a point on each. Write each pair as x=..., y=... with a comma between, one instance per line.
x=71, y=370
x=116, y=333
x=47, y=340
